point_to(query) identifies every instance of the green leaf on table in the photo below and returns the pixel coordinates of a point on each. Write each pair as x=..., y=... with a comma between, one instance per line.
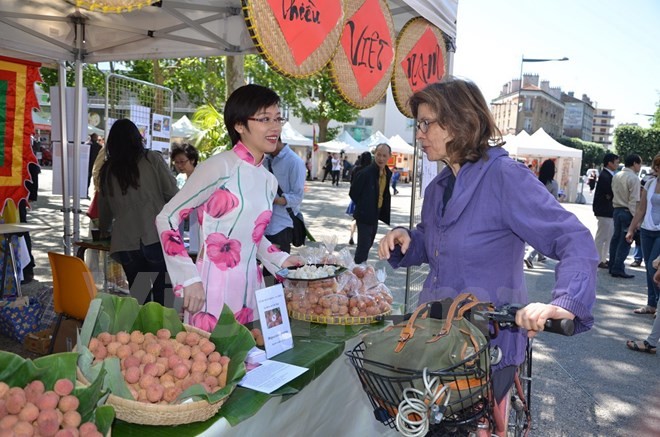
x=121, y=310
x=103, y=417
x=153, y=316
x=233, y=340
x=87, y=331
x=114, y=380
x=89, y=397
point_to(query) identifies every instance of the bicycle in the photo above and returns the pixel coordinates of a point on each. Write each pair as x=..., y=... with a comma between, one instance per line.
x=395, y=392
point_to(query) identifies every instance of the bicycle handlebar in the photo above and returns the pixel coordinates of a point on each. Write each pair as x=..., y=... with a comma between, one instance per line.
x=505, y=316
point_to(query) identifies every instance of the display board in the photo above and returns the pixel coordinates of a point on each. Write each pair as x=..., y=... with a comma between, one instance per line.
x=361, y=68
x=421, y=59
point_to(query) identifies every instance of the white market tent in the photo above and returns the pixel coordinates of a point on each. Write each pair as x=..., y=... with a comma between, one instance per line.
x=375, y=139
x=292, y=137
x=183, y=128
x=343, y=142
x=399, y=145
x=540, y=146
x=56, y=31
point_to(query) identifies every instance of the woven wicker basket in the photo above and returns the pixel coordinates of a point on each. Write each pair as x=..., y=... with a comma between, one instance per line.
x=157, y=414
x=336, y=320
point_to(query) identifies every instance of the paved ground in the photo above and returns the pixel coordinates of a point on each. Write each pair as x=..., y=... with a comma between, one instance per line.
x=588, y=385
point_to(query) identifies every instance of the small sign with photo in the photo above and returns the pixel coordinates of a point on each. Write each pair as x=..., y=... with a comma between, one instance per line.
x=274, y=320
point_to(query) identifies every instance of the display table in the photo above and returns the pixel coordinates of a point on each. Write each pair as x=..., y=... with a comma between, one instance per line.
x=326, y=400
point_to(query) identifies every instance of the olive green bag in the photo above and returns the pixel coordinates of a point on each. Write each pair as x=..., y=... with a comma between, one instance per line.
x=453, y=349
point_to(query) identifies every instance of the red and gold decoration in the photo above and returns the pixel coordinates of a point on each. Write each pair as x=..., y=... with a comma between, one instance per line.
x=297, y=38
x=114, y=6
x=362, y=67
x=420, y=60
x=17, y=98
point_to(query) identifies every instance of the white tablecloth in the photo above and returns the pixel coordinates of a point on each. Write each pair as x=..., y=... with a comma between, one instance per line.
x=331, y=405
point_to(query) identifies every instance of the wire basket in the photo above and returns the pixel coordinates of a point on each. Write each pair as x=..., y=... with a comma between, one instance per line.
x=384, y=385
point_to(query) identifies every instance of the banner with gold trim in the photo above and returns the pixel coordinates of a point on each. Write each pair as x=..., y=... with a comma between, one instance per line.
x=17, y=98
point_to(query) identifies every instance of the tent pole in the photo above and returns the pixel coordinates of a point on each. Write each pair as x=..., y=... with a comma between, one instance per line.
x=65, y=155
x=77, y=133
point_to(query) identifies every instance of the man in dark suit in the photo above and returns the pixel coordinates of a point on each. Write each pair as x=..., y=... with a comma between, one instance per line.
x=370, y=191
x=603, y=209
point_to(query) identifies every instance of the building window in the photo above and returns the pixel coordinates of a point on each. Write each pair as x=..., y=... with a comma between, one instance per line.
x=364, y=121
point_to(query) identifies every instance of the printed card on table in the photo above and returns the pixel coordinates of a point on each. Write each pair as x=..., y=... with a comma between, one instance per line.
x=274, y=320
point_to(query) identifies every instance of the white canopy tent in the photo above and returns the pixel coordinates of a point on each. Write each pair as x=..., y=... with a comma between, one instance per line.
x=56, y=31
x=399, y=145
x=375, y=139
x=292, y=137
x=183, y=128
x=344, y=142
x=538, y=147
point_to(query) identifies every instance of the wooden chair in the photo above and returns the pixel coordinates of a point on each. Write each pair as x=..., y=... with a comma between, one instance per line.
x=73, y=289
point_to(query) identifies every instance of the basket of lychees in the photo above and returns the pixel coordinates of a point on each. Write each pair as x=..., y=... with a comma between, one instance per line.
x=40, y=397
x=160, y=371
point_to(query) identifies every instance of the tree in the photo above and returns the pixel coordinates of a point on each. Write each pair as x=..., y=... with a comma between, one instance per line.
x=592, y=153
x=637, y=140
x=93, y=78
x=656, y=117
x=314, y=99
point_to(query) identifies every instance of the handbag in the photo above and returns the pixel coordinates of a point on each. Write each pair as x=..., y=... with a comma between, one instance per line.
x=299, y=228
x=453, y=349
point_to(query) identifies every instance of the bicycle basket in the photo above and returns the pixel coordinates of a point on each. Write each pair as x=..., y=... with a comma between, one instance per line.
x=384, y=385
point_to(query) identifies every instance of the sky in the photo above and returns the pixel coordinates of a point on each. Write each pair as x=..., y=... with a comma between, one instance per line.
x=613, y=48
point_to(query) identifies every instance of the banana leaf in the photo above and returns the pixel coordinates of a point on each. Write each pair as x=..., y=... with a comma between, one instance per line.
x=125, y=314
x=16, y=371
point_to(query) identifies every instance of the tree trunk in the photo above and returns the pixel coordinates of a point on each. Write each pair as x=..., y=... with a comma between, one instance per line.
x=323, y=129
x=234, y=73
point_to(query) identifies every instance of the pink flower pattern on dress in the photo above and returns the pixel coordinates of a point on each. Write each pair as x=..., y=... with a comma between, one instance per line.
x=260, y=225
x=244, y=316
x=220, y=203
x=273, y=249
x=172, y=243
x=223, y=252
x=184, y=213
x=178, y=291
x=260, y=274
x=204, y=321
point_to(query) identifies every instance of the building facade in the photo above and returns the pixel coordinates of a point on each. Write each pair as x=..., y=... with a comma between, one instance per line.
x=529, y=107
x=578, y=116
x=603, y=127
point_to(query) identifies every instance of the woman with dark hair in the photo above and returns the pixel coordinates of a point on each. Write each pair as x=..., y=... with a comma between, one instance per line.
x=135, y=184
x=475, y=221
x=184, y=158
x=547, y=178
x=232, y=193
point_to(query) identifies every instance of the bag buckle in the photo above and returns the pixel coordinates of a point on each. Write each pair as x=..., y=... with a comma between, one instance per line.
x=406, y=334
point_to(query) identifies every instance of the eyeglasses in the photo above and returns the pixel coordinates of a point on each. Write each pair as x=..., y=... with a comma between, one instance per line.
x=423, y=125
x=181, y=162
x=267, y=120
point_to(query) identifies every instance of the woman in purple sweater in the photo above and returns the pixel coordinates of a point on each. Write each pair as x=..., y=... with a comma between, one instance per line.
x=476, y=219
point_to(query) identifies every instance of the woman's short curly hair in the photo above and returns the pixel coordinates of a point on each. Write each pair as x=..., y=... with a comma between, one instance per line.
x=461, y=109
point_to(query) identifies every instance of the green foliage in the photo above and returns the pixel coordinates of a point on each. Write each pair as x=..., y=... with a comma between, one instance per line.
x=637, y=140
x=93, y=78
x=213, y=137
x=656, y=117
x=314, y=99
x=202, y=80
x=592, y=153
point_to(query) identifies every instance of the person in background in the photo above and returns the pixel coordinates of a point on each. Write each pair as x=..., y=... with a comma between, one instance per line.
x=370, y=191
x=603, y=209
x=234, y=195
x=289, y=169
x=475, y=214
x=363, y=161
x=184, y=158
x=346, y=169
x=547, y=178
x=646, y=223
x=135, y=184
x=33, y=189
x=396, y=175
x=650, y=345
x=626, y=188
x=94, y=149
x=327, y=167
x=591, y=181
x=336, y=169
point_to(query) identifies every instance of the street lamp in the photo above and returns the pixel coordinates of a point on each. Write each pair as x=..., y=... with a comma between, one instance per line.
x=522, y=62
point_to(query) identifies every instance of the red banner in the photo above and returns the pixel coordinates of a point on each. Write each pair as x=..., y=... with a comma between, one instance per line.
x=305, y=24
x=17, y=98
